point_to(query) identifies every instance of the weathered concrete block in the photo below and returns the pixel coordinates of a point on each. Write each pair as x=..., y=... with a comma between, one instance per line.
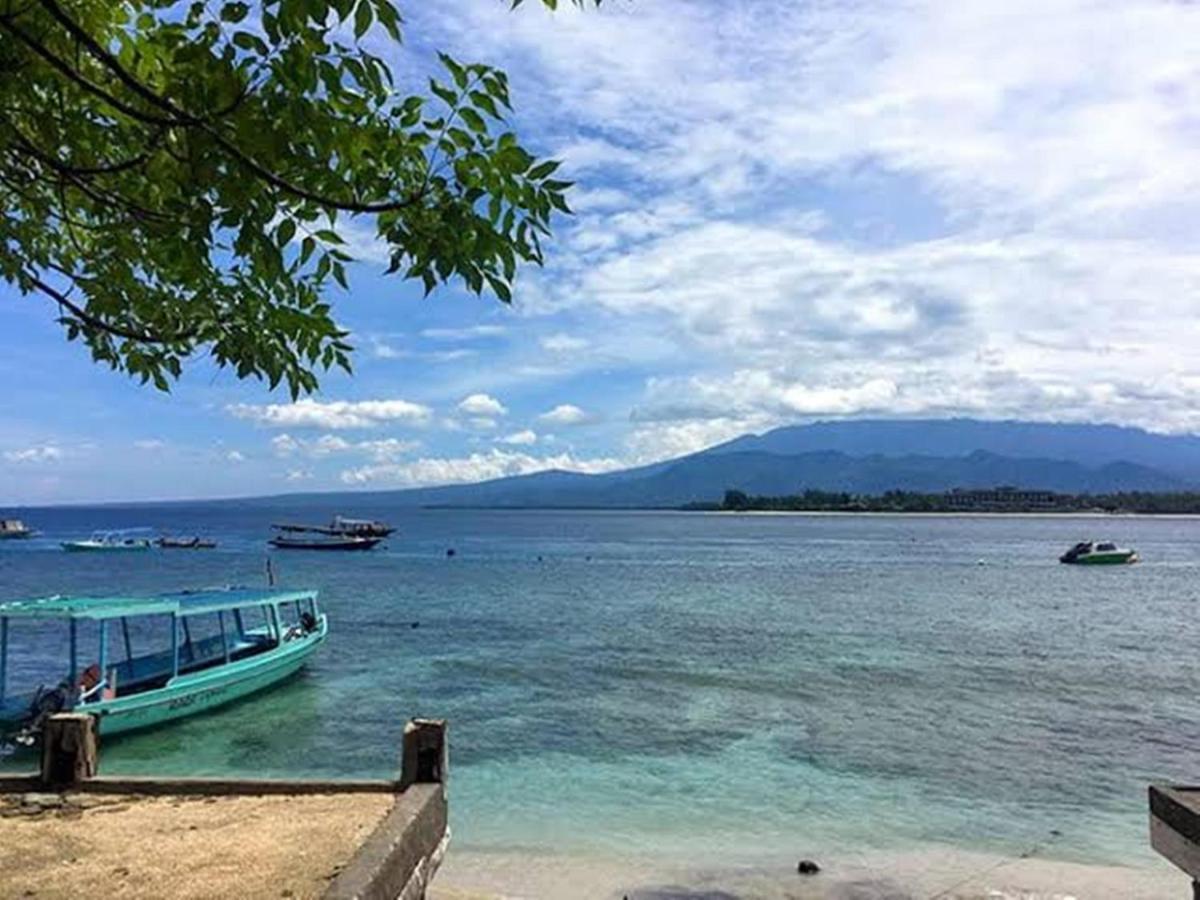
x=424, y=758
x=70, y=749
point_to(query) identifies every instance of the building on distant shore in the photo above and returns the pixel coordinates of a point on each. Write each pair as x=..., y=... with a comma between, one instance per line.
x=1004, y=497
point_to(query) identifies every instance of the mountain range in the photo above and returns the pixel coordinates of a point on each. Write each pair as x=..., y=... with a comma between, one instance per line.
x=865, y=457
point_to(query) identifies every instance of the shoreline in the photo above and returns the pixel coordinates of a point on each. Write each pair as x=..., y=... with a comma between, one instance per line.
x=939, y=871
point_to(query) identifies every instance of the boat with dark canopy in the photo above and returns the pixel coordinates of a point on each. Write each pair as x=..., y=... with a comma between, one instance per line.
x=220, y=645
x=341, y=526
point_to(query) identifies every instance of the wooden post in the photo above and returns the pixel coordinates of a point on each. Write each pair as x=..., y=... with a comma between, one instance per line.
x=69, y=749
x=424, y=758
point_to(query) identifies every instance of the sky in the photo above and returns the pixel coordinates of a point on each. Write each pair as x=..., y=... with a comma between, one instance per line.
x=786, y=211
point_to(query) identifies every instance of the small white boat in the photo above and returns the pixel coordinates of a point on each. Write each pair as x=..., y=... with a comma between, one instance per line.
x=108, y=542
x=1104, y=553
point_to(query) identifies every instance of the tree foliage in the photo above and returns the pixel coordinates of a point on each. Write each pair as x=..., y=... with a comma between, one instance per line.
x=173, y=175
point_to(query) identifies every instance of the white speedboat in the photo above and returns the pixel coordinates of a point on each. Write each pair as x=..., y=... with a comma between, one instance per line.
x=1104, y=553
x=108, y=542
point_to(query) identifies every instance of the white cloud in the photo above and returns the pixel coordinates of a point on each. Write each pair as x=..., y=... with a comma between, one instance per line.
x=285, y=444
x=657, y=441
x=380, y=349
x=43, y=453
x=150, y=444
x=335, y=415
x=565, y=414
x=476, y=467
x=469, y=333
x=520, y=438
x=387, y=449
x=329, y=443
x=382, y=450
x=959, y=205
x=564, y=343
x=298, y=475
x=482, y=406
x=235, y=456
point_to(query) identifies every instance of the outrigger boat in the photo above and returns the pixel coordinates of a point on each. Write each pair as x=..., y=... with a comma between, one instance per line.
x=341, y=526
x=1106, y=553
x=283, y=542
x=108, y=542
x=14, y=528
x=222, y=645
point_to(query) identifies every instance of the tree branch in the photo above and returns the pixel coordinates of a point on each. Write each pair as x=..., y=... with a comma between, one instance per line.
x=33, y=44
x=97, y=324
x=106, y=198
x=111, y=63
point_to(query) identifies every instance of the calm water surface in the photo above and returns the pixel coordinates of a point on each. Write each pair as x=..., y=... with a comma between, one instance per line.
x=707, y=685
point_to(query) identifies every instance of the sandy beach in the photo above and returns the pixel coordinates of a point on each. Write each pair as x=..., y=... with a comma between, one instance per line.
x=54, y=846
x=935, y=873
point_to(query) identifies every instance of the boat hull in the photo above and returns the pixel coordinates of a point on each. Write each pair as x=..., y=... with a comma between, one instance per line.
x=1103, y=559
x=84, y=547
x=193, y=694
x=355, y=544
x=203, y=691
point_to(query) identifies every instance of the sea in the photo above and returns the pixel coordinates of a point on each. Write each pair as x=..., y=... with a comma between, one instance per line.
x=700, y=686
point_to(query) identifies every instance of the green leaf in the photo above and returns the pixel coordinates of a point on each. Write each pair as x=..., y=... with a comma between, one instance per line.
x=446, y=95
x=363, y=17
x=537, y=173
x=234, y=12
x=285, y=231
x=474, y=120
x=457, y=72
x=500, y=287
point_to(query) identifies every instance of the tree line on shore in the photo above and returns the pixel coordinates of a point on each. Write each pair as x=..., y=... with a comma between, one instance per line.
x=811, y=500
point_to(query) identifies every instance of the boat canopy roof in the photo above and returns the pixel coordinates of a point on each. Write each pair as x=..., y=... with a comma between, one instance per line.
x=186, y=603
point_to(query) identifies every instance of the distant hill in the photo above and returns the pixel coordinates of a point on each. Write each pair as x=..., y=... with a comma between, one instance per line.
x=861, y=457
x=706, y=476
x=1088, y=445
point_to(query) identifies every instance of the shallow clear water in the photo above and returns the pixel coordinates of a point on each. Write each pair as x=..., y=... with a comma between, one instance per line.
x=708, y=686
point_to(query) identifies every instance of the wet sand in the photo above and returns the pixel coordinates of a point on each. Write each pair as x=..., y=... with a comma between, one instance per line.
x=941, y=873
x=95, y=845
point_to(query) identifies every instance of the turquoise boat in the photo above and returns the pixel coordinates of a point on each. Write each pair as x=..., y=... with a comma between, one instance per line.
x=220, y=645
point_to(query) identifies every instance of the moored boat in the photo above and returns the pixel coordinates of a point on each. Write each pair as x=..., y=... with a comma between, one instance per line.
x=179, y=543
x=360, y=527
x=223, y=645
x=284, y=542
x=340, y=526
x=108, y=541
x=11, y=529
x=1103, y=553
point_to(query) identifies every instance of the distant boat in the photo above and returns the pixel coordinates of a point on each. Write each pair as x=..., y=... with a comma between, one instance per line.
x=341, y=526
x=14, y=528
x=282, y=542
x=251, y=640
x=192, y=543
x=107, y=542
x=1106, y=553
x=361, y=527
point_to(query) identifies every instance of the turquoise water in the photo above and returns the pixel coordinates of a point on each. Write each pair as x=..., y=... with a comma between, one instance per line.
x=709, y=686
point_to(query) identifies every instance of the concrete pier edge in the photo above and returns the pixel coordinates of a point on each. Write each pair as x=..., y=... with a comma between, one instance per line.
x=397, y=860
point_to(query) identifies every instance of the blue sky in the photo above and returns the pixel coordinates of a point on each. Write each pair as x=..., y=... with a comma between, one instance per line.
x=786, y=211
